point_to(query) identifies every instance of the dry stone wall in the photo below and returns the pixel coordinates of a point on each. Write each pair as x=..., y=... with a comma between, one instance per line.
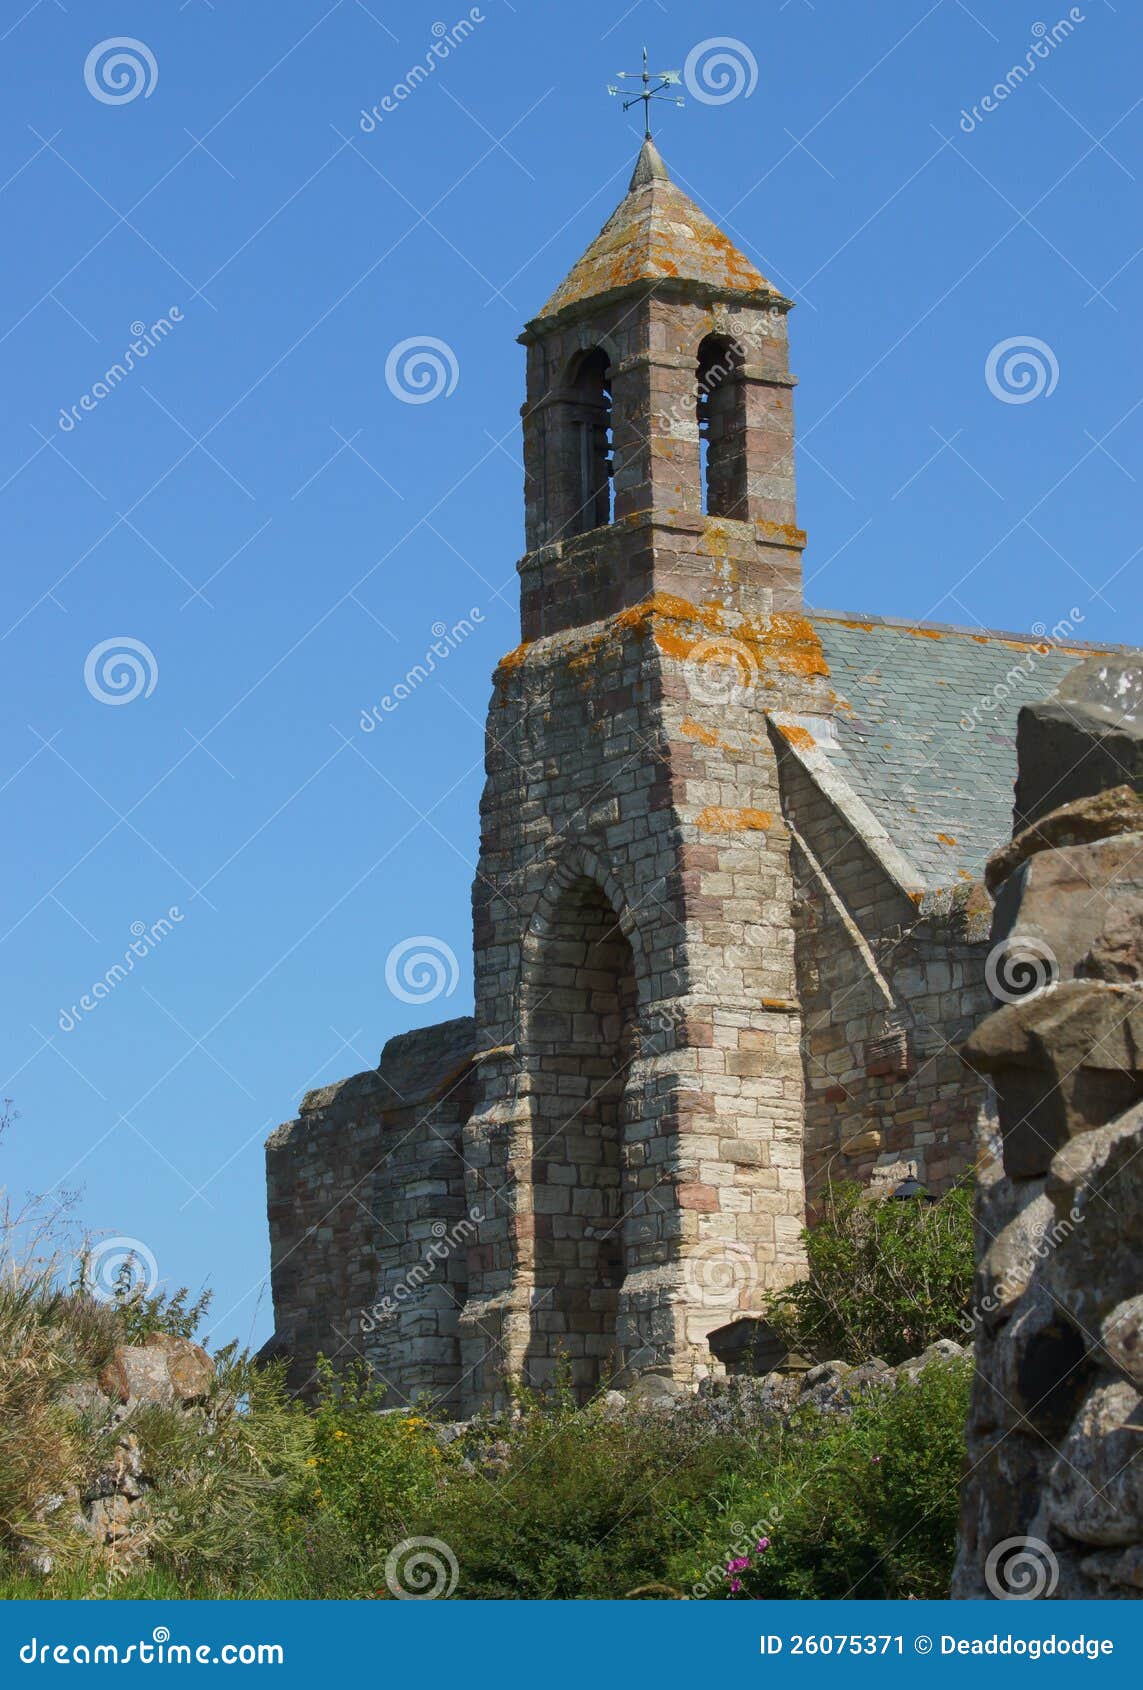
x=1053, y=1498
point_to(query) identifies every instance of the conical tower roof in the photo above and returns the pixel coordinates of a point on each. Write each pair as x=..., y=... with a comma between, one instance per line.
x=657, y=233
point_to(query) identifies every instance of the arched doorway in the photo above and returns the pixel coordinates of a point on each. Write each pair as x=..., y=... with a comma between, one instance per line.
x=578, y=1027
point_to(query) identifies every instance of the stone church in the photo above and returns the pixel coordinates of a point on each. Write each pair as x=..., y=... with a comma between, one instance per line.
x=728, y=914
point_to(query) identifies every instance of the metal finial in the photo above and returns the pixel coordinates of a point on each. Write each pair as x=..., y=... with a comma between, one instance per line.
x=666, y=79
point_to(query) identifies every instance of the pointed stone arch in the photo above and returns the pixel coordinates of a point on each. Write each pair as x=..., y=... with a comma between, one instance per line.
x=581, y=971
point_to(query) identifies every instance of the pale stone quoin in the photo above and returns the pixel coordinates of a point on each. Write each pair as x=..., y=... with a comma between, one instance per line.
x=728, y=927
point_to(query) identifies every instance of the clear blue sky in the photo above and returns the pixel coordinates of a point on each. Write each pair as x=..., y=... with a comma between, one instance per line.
x=256, y=508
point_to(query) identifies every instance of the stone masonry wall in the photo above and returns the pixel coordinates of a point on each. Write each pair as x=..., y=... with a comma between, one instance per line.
x=368, y=1222
x=628, y=756
x=889, y=987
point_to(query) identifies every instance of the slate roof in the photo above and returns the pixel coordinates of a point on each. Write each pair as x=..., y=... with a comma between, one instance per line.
x=657, y=232
x=920, y=742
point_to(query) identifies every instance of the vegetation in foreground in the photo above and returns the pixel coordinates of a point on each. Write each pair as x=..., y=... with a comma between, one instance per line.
x=255, y=1494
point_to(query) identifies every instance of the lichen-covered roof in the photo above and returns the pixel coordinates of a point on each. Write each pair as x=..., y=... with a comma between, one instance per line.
x=657, y=232
x=925, y=733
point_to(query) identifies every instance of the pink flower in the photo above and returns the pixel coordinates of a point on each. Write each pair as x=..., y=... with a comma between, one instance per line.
x=735, y=1586
x=762, y=1545
x=875, y=1459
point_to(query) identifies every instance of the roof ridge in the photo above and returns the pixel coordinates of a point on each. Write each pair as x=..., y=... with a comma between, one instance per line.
x=1027, y=636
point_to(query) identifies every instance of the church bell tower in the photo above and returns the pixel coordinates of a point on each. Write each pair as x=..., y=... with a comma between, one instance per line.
x=635, y=1150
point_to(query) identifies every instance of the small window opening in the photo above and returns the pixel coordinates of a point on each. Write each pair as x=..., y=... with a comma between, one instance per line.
x=595, y=505
x=721, y=411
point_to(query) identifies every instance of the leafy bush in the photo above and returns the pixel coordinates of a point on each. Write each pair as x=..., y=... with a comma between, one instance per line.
x=374, y=1472
x=885, y=1278
x=585, y=1504
x=858, y=1506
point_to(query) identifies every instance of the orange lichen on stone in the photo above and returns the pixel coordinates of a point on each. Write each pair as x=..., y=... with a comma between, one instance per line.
x=786, y=641
x=862, y=627
x=585, y=655
x=513, y=659
x=656, y=232
x=788, y=532
x=717, y=820
x=802, y=738
x=946, y=839
x=926, y=633
x=695, y=730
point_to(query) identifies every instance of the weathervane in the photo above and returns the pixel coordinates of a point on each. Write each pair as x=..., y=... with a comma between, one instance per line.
x=667, y=79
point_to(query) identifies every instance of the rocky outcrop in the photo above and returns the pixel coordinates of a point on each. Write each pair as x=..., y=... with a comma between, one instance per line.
x=106, y=1507
x=1052, y=1504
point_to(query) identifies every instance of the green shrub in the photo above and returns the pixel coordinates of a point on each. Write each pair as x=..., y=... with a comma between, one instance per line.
x=375, y=1473
x=832, y=1506
x=584, y=1505
x=885, y=1278
x=231, y=1478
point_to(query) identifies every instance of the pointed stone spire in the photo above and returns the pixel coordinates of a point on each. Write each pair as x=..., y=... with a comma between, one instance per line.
x=658, y=234
x=649, y=168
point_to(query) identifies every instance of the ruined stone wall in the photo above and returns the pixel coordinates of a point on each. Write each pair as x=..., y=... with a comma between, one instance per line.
x=369, y=1227
x=889, y=986
x=1052, y=1505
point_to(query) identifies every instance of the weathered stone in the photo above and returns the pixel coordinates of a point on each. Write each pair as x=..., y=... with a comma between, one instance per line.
x=655, y=1391
x=749, y=1346
x=189, y=1368
x=1055, y=1417
x=1085, y=739
x=1101, y=815
x=1062, y=1062
x=941, y=1350
x=1072, y=912
x=162, y=1371
x=1095, y=1489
